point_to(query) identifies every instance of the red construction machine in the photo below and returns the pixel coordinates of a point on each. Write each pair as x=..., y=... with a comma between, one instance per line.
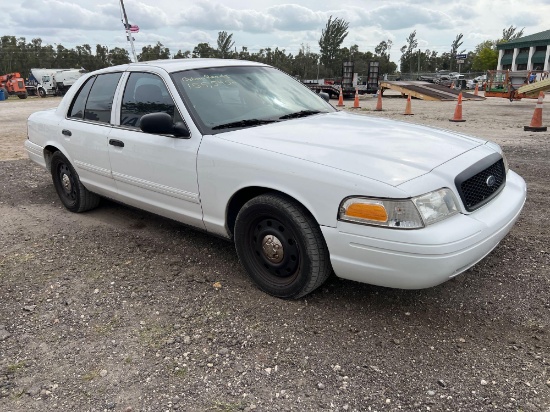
x=13, y=84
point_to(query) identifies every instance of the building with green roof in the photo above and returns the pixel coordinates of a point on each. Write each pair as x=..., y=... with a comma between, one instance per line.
x=525, y=53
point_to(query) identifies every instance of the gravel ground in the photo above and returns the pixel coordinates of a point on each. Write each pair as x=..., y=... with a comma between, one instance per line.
x=117, y=309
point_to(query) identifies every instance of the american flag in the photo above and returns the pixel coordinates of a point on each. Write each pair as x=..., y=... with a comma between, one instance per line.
x=132, y=28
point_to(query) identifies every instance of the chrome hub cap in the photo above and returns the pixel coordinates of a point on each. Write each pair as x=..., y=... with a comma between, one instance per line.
x=66, y=182
x=273, y=249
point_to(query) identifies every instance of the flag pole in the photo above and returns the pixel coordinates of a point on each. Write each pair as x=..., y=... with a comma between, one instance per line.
x=128, y=32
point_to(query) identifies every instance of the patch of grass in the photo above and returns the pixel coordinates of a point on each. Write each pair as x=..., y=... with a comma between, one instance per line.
x=154, y=336
x=14, y=367
x=18, y=394
x=226, y=406
x=106, y=328
x=180, y=372
x=90, y=376
x=17, y=258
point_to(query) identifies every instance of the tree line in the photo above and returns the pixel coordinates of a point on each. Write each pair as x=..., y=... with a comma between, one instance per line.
x=18, y=55
x=484, y=57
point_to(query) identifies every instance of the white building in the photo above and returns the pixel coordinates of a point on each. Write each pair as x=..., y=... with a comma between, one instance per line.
x=525, y=53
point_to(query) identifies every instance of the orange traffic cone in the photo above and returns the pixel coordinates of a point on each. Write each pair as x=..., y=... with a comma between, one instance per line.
x=356, y=100
x=476, y=90
x=408, y=111
x=379, y=101
x=458, y=110
x=536, y=121
x=340, y=99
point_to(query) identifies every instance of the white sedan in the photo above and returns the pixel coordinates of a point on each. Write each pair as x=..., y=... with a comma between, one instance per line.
x=243, y=151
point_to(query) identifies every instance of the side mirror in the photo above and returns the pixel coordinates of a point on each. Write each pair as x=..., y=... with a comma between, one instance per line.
x=161, y=123
x=324, y=96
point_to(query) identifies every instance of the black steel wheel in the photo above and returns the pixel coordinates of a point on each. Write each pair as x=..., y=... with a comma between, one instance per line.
x=70, y=190
x=281, y=246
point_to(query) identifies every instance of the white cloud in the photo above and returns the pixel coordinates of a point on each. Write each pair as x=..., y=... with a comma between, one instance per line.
x=40, y=14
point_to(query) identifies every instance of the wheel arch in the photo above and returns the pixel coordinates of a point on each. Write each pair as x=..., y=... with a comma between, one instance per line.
x=49, y=151
x=245, y=194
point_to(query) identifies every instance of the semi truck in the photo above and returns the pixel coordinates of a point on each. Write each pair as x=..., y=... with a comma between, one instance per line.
x=349, y=82
x=12, y=84
x=52, y=82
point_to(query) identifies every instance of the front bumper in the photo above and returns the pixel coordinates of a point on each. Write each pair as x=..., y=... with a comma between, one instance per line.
x=415, y=259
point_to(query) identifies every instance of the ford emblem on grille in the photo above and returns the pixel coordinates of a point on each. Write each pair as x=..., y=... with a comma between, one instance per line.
x=491, y=180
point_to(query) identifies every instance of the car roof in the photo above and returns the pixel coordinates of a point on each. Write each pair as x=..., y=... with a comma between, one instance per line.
x=176, y=65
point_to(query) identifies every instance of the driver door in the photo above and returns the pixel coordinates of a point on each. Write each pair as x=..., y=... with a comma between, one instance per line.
x=154, y=172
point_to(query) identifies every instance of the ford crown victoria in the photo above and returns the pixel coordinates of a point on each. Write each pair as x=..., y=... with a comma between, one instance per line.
x=243, y=151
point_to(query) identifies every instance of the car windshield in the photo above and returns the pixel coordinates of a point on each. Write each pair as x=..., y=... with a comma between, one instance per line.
x=222, y=99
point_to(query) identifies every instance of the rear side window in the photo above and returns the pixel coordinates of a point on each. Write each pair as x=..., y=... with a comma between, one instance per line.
x=100, y=99
x=145, y=93
x=79, y=103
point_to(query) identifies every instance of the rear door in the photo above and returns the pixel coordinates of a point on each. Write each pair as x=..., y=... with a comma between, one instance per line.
x=85, y=132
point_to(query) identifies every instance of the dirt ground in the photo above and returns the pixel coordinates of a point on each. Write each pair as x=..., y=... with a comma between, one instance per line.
x=117, y=309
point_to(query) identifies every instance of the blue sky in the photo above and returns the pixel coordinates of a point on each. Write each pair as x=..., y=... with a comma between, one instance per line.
x=265, y=23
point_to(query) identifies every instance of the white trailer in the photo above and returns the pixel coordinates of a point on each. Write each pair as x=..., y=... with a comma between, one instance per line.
x=52, y=82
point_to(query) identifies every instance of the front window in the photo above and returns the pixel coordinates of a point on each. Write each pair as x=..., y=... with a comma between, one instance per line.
x=226, y=98
x=145, y=93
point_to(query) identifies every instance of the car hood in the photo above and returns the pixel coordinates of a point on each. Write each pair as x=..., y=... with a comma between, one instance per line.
x=389, y=151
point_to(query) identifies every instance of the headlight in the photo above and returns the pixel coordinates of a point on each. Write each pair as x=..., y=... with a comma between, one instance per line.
x=437, y=205
x=401, y=214
x=412, y=213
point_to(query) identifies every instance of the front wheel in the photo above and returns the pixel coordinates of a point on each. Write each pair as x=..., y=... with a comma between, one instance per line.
x=281, y=246
x=70, y=190
x=42, y=92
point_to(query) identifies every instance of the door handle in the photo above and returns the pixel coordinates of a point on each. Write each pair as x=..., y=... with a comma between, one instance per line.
x=66, y=132
x=116, y=143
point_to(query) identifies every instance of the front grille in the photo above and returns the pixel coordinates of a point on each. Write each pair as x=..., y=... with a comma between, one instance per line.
x=20, y=84
x=477, y=187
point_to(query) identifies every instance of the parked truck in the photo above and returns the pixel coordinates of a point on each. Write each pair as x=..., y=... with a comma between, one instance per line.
x=13, y=85
x=349, y=82
x=52, y=82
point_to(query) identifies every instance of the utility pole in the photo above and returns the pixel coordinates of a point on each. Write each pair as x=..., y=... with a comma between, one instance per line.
x=128, y=32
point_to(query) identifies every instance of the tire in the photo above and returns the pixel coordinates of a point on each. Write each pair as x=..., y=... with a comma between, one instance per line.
x=22, y=95
x=6, y=94
x=269, y=224
x=42, y=92
x=72, y=193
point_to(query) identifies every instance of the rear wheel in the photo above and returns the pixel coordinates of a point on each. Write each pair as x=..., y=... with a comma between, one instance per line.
x=70, y=190
x=281, y=246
